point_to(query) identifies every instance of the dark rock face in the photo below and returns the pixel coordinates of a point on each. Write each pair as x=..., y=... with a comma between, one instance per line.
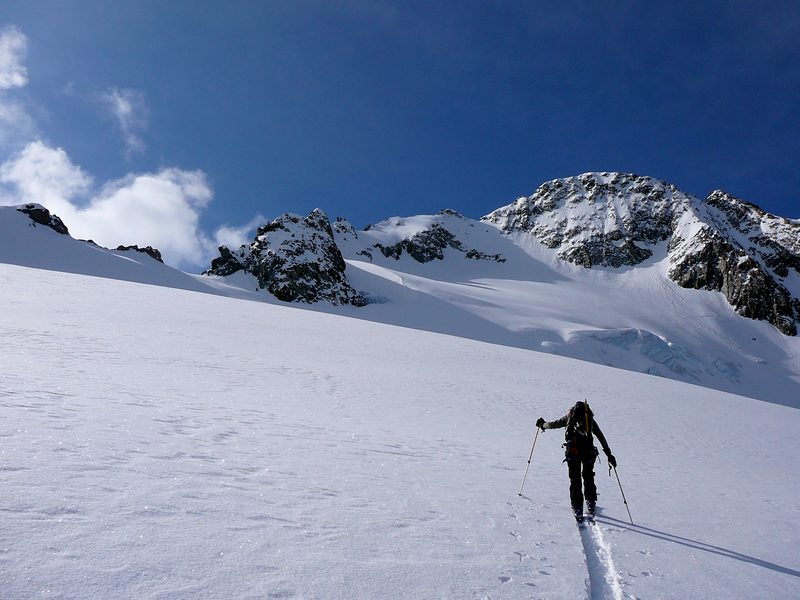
x=478, y=255
x=424, y=246
x=430, y=244
x=295, y=259
x=750, y=277
x=228, y=263
x=723, y=244
x=604, y=250
x=343, y=228
x=149, y=250
x=39, y=214
x=596, y=219
x=775, y=240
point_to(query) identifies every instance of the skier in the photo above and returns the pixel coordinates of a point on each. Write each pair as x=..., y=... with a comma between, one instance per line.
x=580, y=454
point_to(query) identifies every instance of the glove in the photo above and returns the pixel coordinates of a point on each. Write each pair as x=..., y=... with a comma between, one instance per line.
x=611, y=460
x=540, y=423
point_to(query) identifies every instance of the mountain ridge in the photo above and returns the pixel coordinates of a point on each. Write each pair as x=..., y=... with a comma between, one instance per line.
x=450, y=274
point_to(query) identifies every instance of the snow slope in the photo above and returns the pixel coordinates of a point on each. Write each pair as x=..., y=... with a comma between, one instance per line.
x=631, y=318
x=25, y=243
x=160, y=443
x=516, y=293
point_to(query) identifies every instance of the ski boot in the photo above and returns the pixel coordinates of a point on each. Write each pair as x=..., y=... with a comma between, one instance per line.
x=591, y=505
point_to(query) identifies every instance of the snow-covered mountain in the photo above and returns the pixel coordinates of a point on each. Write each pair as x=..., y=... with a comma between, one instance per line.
x=620, y=270
x=163, y=443
x=722, y=243
x=616, y=269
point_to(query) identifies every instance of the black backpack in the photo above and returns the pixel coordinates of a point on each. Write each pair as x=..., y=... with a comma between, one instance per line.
x=580, y=424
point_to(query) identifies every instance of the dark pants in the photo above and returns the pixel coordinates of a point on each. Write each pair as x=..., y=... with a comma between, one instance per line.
x=581, y=467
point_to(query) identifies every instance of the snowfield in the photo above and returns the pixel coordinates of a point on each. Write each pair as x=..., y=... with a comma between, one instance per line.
x=158, y=443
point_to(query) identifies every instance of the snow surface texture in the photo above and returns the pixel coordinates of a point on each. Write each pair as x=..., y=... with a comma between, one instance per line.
x=206, y=447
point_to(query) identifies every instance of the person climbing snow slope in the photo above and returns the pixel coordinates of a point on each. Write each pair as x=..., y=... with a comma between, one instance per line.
x=580, y=454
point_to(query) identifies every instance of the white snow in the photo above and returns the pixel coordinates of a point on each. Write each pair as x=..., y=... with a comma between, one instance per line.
x=634, y=318
x=160, y=443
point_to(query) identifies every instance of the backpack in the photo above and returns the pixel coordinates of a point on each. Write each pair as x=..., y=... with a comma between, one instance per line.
x=580, y=424
x=580, y=421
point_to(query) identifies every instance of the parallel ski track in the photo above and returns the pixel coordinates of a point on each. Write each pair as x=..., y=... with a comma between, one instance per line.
x=604, y=582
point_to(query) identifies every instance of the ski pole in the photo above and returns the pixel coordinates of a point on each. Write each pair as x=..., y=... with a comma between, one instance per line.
x=529, y=461
x=623, y=496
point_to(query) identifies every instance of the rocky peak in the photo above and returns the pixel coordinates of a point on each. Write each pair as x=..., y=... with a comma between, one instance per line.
x=295, y=259
x=344, y=229
x=596, y=219
x=39, y=214
x=724, y=244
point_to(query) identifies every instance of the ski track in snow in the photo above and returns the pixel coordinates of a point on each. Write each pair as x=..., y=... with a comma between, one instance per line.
x=604, y=582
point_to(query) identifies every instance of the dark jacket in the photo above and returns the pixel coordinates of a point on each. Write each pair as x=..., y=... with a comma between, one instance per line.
x=579, y=440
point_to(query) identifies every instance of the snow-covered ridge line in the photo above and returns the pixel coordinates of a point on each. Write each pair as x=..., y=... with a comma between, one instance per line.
x=31, y=236
x=455, y=275
x=723, y=243
x=611, y=220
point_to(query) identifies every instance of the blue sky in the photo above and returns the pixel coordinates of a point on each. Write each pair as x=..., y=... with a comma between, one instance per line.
x=127, y=115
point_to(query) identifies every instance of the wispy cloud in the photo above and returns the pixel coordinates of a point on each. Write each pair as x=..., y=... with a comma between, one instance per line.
x=13, y=47
x=16, y=124
x=128, y=108
x=233, y=237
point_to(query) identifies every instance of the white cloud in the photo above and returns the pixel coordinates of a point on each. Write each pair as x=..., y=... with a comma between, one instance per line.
x=13, y=46
x=160, y=209
x=129, y=110
x=45, y=175
x=233, y=237
x=16, y=125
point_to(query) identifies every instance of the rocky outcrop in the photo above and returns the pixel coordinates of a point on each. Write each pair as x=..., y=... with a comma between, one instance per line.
x=424, y=246
x=39, y=214
x=723, y=243
x=295, y=259
x=775, y=240
x=431, y=243
x=149, y=250
x=715, y=263
x=743, y=252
